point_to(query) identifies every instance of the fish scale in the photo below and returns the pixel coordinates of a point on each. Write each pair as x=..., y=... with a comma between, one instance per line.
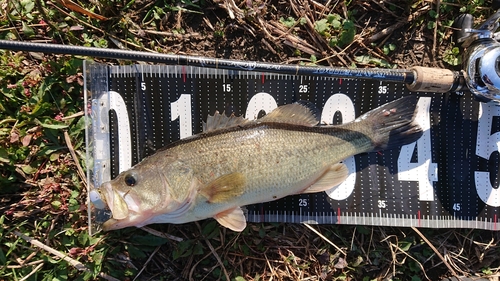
x=279, y=150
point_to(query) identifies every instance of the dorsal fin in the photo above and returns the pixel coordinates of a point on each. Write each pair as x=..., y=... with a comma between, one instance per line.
x=221, y=121
x=299, y=113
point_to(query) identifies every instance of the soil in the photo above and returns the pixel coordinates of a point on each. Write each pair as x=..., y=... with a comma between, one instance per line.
x=258, y=35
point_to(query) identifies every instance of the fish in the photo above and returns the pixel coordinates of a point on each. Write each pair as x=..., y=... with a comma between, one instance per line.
x=236, y=162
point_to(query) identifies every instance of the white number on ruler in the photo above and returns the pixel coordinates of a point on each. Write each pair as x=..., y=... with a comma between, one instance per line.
x=302, y=202
x=382, y=204
x=227, y=88
x=343, y=104
x=181, y=109
x=303, y=88
x=382, y=89
x=260, y=101
x=487, y=143
x=423, y=171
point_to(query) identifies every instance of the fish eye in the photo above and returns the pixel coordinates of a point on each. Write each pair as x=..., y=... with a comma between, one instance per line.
x=130, y=179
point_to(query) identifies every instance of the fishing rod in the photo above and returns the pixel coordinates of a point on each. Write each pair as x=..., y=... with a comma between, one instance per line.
x=417, y=78
x=480, y=74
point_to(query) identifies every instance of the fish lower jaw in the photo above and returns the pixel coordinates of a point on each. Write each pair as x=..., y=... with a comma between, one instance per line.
x=131, y=220
x=139, y=219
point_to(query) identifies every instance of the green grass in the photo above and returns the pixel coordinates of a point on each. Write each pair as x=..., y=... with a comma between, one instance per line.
x=43, y=197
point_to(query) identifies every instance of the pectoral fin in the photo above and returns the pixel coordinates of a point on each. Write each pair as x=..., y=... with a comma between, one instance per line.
x=333, y=175
x=233, y=219
x=224, y=188
x=119, y=207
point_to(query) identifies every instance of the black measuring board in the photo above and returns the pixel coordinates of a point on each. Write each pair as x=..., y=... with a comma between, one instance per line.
x=448, y=178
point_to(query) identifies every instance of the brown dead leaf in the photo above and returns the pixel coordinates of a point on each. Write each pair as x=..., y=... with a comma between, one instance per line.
x=35, y=129
x=79, y=9
x=341, y=263
x=14, y=136
x=27, y=139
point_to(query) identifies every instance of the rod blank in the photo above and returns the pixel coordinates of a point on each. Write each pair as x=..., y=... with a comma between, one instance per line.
x=389, y=75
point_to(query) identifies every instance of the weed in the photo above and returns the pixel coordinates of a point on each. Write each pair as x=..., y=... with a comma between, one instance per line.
x=337, y=31
x=388, y=48
x=369, y=60
x=163, y=8
x=453, y=56
x=291, y=22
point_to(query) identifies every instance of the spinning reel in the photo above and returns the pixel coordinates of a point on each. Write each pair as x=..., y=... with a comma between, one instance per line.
x=481, y=53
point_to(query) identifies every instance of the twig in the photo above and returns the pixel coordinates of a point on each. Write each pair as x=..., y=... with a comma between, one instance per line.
x=414, y=259
x=390, y=29
x=82, y=176
x=193, y=267
x=292, y=40
x=326, y=239
x=438, y=4
x=385, y=31
x=326, y=5
x=393, y=254
x=269, y=265
x=100, y=30
x=32, y=272
x=218, y=258
x=146, y=263
x=78, y=114
x=435, y=251
x=24, y=264
x=383, y=7
x=172, y=34
x=161, y=234
x=81, y=173
x=215, y=254
x=76, y=264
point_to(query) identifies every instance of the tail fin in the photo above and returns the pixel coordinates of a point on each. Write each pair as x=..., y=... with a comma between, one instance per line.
x=393, y=123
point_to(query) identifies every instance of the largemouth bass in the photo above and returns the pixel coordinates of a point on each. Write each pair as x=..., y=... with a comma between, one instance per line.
x=237, y=162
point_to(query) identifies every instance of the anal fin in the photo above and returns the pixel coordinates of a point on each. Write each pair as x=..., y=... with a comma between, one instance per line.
x=333, y=175
x=233, y=219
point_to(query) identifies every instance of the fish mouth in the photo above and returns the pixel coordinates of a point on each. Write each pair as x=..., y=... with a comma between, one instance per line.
x=118, y=206
x=144, y=217
x=124, y=207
